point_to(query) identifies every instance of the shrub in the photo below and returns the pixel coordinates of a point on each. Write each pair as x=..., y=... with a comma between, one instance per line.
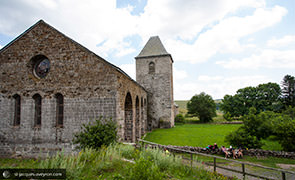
x=102, y=132
x=227, y=116
x=242, y=138
x=179, y=118
x=144, y=168
x=285, y=132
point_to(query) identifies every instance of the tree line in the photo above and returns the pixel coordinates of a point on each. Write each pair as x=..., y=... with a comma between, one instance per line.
x=264, y=97
x=266, y=110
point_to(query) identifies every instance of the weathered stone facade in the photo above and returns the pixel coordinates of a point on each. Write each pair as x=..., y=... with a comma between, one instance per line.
x=78, y=88
x=154, y=71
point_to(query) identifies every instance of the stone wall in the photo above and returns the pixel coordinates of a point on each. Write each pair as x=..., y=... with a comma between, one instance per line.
x=250, y=152
x=160, y=87
x=91, y=87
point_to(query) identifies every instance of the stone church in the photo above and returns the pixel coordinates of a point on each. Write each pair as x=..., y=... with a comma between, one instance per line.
x=50, y=85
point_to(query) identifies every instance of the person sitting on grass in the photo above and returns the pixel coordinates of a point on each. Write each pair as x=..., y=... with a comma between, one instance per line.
x=224, y=150
x=235, y=153
x=209, y=148
x=215, y=147
x=240, y=153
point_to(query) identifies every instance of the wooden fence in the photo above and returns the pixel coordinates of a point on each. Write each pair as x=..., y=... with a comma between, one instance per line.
x=243, y=164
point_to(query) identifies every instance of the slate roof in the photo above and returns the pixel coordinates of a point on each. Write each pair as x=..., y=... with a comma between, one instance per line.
x=153, y=47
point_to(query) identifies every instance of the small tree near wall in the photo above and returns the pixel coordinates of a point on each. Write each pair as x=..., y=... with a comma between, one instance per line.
x=203, y=106
x=102, y=132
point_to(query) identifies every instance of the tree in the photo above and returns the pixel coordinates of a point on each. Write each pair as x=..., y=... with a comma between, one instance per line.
x=102, y=132
x=203, y=106
x=288, y=91
x=233, y=106
x=264, y=97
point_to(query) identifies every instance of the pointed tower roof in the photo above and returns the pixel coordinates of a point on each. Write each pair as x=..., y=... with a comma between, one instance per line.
x=153, y=47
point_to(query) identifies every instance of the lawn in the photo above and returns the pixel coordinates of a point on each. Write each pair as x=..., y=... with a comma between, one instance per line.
x=200, y=135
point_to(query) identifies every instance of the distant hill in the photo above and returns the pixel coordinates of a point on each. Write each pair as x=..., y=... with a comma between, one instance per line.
x=182, y=103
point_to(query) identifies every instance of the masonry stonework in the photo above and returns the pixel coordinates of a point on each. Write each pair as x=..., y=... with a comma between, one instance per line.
x=90, y=87
x=154, y=71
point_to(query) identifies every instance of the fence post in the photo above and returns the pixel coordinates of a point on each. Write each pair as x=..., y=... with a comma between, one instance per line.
x=283, y=176
x=243, y=170
x=191, y=160
x=214, y=164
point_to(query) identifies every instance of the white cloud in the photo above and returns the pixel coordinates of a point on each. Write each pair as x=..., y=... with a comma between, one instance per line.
x=89, y=22
x=266, y=59
x=209, y=78
x=284, y=41
x=179, y=74
x=224, y=37
x=220, y=86
x=129, y=69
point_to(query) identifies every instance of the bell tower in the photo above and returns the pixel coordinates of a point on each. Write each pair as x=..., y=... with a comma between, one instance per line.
x=154, y=71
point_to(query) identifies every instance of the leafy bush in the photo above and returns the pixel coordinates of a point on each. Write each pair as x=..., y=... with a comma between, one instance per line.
x=179, y=118
x=227, y=116
x=102, y=132
x=242, y=138
x=285, y=132
x=144, y=168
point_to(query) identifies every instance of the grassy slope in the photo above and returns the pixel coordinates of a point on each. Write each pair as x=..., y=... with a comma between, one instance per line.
x=192, y=135
x=181, y=103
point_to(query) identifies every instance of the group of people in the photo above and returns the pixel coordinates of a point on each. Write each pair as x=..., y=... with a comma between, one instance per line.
x=228, y=152
x=235, y=153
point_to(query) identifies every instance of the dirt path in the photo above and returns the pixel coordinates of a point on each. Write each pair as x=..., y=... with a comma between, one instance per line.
x=271, y=174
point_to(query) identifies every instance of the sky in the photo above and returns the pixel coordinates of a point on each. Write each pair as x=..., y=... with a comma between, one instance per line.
x=218, y=46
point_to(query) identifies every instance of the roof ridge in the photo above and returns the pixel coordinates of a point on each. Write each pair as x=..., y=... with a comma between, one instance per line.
x=75, y=42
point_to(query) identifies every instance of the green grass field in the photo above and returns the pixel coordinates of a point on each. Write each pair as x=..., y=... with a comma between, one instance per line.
x=200, y=135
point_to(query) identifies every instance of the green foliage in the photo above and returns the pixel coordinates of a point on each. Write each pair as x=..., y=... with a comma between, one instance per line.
x=242, y=138
x=145, y=169
x=203, y=106
x=179, y=118
x=264, y=97
x=285, y=131
x=227, y=116
x=102, y=132
x=288, y=91
x=256, y=127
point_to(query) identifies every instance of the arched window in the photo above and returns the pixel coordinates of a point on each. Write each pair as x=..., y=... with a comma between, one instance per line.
x=151, y=67
x=38, y=104
x=17, y=110
x=59, y=110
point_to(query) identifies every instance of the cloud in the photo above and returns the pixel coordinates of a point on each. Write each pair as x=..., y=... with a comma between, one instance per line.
x=129, y=69
x=89, y=22
x=179, y=74
x=216, y=86
x=283, y=42
x=224, y=37
x=103, y=28
x=266, y=59
x=209, y=78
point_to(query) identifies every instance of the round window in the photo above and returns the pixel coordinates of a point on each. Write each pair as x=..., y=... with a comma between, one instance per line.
x=42, y=67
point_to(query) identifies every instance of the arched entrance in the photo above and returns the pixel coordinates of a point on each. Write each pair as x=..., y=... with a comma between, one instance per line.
x=128, y=118
x=137, y=120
